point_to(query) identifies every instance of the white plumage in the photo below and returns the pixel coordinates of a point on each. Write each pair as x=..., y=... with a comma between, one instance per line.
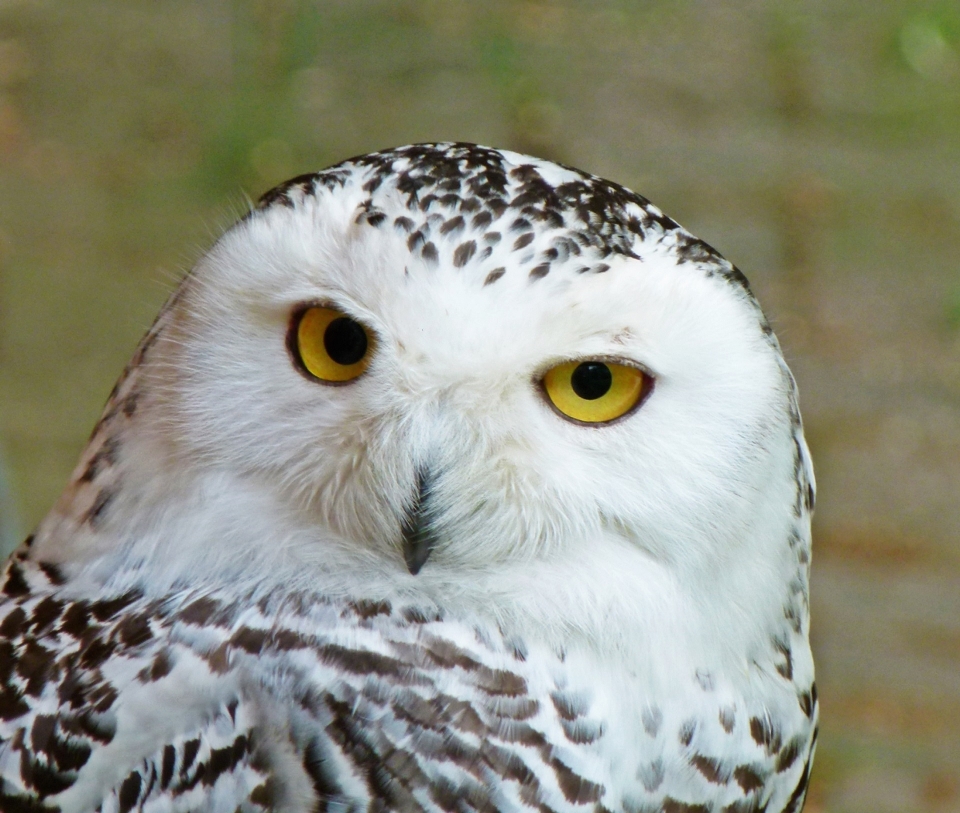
x=424, y=585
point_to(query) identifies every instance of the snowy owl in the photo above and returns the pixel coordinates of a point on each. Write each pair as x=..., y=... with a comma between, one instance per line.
x=450, y=479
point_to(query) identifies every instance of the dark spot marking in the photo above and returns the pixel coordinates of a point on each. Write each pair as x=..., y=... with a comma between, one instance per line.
x=135, y=630
x=425, y=713
x=45, y=613
x=249, y=639
x=160, y=667
x=508, y=764
x=321, y=772
x=44, y=779
x=519, y=732
x=452, y=225
x=540, y=271
x=105, y=609
x=748, y=778
x=481, y=220
x=728, y=718
x=200, y=612
x=263, y=795
x=575, y=788
x=786, y=668
x=96, y=653
x=11, y=626
x=69, y=755
x=569, y=706
x=53, y=573
x=582, y=731
x=16, y=584
x=361, y=662
x=419, y=615
x=516, y=708
x=282, y=194
x=789, y=754
x=76, y=619
x=91, y=725
x=106, y=455
x=12, y=704
x=166, y=770
x=523, y=241
x=129, y=405
x=764, y=733
x=369, y=609
x=710, y=768
x=190, y=750
x=403, y=224
x=687, y=730
x=224, y=759
x=462, y=716
x=129, y=792
x=463, y=253
x=499, y=681
x=447, y=654
x=671, y=805
x=34, y=665
x=429, y=252
x=416, y=239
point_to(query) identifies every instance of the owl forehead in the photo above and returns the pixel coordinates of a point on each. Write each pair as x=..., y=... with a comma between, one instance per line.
x=492, y=215
x=506, y=249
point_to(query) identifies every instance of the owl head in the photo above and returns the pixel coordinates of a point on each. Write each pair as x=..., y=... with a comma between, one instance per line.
x=446, y=365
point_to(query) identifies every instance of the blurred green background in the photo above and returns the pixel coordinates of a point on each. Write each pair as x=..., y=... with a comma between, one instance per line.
x=816, y=144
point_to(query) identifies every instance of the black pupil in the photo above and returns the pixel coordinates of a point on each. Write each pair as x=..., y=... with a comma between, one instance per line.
x=591, y=380
x=345, y=341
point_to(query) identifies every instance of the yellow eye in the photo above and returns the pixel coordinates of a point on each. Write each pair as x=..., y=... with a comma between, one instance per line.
x=330, y=345
x=595, y=391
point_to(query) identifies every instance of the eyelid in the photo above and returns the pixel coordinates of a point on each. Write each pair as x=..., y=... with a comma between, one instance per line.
x=603, y=357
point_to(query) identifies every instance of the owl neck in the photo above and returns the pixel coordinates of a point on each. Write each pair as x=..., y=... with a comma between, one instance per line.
x=607, y=596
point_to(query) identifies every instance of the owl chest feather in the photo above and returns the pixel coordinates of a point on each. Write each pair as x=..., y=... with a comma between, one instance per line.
x=380, y=705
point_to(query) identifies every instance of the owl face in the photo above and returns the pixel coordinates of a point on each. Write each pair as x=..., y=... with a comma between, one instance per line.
x=397, y=359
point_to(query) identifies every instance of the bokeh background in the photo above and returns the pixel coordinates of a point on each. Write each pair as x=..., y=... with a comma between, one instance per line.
x=816, y=144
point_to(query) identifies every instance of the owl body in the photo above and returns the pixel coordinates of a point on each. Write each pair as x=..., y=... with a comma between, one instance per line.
x=427, y=587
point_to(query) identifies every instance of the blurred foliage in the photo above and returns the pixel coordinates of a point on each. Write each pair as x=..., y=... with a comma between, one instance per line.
x=814, y=143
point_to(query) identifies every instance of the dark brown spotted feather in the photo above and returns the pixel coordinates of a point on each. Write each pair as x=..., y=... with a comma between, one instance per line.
x=360, y=703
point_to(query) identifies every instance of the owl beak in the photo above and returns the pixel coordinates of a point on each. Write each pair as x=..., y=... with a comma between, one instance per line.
x=418, y=537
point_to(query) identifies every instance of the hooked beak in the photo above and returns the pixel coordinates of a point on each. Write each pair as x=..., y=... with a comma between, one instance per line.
x=418, y=537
